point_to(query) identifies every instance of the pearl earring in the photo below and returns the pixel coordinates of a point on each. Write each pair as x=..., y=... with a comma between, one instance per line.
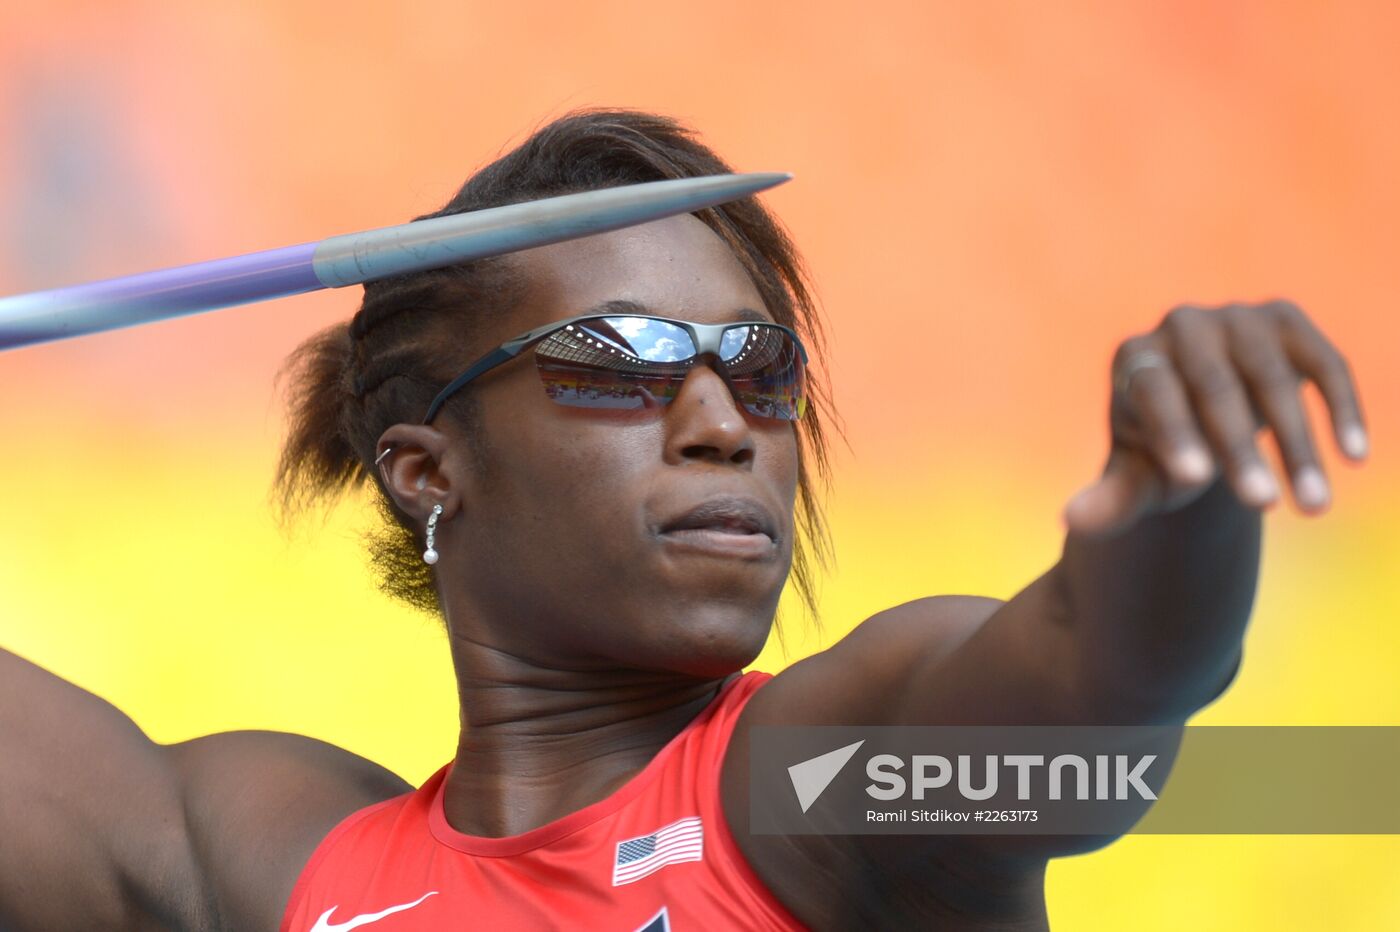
x=430, y=556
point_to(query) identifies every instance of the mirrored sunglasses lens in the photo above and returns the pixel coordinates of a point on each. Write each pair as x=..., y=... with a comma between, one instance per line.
x=766, y=371
x=615, y=362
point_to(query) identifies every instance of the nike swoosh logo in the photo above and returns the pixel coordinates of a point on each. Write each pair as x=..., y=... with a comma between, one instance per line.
x=324, y=924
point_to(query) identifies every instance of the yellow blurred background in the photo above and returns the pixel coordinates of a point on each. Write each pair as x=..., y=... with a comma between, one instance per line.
x=990, y=195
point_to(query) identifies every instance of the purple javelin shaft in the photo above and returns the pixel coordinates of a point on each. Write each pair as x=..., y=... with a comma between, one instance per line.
x=134, y=299
x=357, y=257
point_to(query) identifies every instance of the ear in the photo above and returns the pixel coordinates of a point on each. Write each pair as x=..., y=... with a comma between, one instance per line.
x=422, y=467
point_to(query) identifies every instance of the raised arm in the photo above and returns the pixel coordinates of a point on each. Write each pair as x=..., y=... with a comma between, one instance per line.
x=101, y=828
x=1141, y=620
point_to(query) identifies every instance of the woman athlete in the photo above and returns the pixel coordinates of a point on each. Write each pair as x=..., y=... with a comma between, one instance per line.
x=605, y=514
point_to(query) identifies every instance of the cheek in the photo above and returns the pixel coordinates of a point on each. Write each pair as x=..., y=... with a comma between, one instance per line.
x=782, y=447
x=565, y=478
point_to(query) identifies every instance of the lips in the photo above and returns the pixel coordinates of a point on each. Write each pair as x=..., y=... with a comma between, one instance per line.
x=725, y=516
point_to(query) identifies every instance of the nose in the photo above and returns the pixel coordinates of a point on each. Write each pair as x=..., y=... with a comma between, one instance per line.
x=704, y=423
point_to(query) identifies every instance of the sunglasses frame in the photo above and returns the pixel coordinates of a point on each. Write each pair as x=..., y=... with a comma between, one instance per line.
x=705, y=337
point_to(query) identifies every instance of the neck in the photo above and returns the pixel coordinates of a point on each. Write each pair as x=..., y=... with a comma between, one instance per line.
x=539, y=741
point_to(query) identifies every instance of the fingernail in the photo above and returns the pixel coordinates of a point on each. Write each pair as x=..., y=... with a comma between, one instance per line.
x=1354, y=441
x=1194, y=463
x=1258, y=484
x=1311, y=487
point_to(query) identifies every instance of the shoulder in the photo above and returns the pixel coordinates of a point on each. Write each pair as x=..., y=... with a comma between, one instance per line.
x=848, y=682
x=936, y=625
x=257, y=805
x=827, y=881
x=836, y=686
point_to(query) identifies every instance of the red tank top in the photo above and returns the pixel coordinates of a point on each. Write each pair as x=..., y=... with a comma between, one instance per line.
x=655, y=856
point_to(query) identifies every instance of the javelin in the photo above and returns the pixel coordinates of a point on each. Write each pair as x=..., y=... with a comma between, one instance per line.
x=355, y=258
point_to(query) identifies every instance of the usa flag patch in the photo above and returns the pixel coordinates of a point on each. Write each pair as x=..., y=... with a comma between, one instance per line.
x=682, y=840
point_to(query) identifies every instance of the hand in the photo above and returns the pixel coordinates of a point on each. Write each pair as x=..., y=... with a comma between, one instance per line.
x=1189, y=398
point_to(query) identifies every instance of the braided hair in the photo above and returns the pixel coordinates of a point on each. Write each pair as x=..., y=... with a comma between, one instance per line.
x=349, y=383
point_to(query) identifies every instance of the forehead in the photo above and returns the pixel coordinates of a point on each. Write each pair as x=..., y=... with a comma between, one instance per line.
x=676, y=267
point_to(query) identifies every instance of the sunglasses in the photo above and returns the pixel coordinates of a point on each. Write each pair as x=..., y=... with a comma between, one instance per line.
x=631, y=361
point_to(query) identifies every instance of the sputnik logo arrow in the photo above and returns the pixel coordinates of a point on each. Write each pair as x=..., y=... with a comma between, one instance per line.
x=811, y=777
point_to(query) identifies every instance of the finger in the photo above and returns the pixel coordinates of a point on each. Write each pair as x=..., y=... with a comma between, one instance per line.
x=1319, y=360
x=1157, y=402
x=1129, y=487
x=1221, y=403
x=1272, y=382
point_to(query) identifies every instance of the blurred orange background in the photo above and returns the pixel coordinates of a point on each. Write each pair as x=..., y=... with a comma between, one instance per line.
x=990, y=196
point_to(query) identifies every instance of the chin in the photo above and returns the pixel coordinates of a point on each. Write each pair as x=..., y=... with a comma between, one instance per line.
x=718, y=645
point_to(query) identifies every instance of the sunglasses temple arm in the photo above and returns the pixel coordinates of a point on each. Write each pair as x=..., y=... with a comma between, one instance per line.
x=491, y=360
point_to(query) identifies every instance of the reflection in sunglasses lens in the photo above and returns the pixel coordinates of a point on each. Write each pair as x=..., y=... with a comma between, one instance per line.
x=627, y=363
